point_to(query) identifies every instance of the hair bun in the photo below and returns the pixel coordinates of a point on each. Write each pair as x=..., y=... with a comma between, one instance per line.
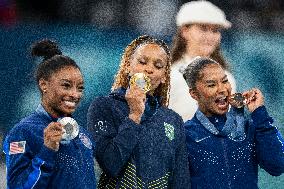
x=45, y=48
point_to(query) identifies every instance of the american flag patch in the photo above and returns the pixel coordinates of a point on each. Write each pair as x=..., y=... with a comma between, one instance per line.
x=17, y=147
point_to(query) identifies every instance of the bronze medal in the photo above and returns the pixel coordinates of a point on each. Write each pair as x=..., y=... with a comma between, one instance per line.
x=237, y=100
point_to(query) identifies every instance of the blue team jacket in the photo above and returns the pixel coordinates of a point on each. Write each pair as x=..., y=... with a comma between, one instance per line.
x=220, y=161
x=32, y=165
x=151, y=154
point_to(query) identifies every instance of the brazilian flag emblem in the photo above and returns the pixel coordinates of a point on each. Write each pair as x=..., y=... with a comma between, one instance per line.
x=170, y=131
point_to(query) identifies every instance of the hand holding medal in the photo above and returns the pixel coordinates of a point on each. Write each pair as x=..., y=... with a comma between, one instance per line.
x=252, y=99
x=52, y=135
x=139, y=85
x=62, y=132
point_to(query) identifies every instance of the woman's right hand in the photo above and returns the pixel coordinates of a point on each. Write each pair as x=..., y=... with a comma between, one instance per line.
x=53, y=135
x=135, y=97
x=254, y=98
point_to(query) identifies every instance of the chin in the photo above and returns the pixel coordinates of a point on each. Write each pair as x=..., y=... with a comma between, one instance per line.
x=207, y=52
x=68, y=111
x=222, y=112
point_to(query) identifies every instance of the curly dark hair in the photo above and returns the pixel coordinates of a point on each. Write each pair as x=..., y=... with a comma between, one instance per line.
x=53, y=60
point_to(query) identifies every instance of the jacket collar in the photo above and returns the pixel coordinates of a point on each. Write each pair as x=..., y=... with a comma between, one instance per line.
x=40, y=110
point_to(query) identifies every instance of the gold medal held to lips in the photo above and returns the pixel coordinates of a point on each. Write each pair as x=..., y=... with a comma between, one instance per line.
x=70, y=129
x=237, y=100
x=141, y=80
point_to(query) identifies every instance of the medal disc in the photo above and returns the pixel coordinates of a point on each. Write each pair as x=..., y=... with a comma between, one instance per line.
x=70, y=128
x=142, y=81
x=237, y=100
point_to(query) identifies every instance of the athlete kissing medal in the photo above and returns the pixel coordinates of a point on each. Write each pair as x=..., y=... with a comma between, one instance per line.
x=70, y=129
x=141, y=80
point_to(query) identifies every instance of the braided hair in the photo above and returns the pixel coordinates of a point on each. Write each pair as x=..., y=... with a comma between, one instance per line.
x=121, y=78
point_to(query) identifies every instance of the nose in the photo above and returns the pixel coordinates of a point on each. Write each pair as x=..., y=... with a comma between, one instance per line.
x=75, y=93
x=222, y=88
x=149, y=69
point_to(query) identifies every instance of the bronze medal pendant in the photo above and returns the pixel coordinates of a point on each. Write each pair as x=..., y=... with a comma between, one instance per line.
x=141, y=80
x=237, y=100
x=70, y=129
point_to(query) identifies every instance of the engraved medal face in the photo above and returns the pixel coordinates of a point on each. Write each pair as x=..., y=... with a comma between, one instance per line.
x=141, y=80
x=70, y=129
x=237, y=100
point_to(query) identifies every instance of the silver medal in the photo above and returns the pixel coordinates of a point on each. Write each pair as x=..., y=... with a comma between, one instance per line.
x=70, y=129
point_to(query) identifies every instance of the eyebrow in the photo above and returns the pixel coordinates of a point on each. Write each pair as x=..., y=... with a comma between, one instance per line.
x=213, y=81
x=225, y=77
x=210, y=81
x=66, y=80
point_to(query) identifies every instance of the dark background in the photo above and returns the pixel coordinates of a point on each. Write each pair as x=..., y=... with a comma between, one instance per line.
x=94, y=34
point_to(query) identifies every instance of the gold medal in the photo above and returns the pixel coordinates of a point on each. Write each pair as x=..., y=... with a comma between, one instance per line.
x=141, y=80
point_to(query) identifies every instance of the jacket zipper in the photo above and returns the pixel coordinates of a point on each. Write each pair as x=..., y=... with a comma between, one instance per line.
x=226, y=163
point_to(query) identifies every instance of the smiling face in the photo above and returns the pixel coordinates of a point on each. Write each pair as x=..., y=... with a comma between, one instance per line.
x=212, y=90
x=62, y=92
x=150, y=59
x=201, y=39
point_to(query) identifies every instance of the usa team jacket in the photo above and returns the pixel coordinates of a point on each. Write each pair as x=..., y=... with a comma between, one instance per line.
x=218, y=161
x=32, y=165
x=151, y=154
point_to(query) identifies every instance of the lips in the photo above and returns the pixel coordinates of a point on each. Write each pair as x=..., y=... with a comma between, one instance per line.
x=70, y=104
x=222, y=102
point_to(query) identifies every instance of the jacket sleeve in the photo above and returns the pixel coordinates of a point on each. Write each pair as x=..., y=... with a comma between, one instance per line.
x=269, y=142
x=181, y=173
x=25, y=169
x=115, y=135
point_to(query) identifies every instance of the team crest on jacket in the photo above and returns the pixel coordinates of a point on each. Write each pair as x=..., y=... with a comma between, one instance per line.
x=170, y=131
x=85, y=140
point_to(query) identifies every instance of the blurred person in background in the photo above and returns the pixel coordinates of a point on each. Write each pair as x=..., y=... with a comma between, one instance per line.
x=140, y=143
x=36, y=157
x=198, y=34
x=224, y=147
x=8, y=12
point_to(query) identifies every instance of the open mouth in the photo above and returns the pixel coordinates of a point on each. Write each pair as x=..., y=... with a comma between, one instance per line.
x=222, y=102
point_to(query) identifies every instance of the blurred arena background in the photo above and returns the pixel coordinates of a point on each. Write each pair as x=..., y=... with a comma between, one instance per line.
x=94, y=34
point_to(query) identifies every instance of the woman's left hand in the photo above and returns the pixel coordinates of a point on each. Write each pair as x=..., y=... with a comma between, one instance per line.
x=254, y=99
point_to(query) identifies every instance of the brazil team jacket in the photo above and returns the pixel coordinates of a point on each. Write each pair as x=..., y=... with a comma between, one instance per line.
x=32, y=165
x=222, y=161
x=151, y=154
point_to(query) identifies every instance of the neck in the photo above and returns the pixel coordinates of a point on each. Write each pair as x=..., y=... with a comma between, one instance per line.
x=192, y=54
x=49, y=110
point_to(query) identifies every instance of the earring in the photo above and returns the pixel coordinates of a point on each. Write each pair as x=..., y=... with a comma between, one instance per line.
x=44, y=91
